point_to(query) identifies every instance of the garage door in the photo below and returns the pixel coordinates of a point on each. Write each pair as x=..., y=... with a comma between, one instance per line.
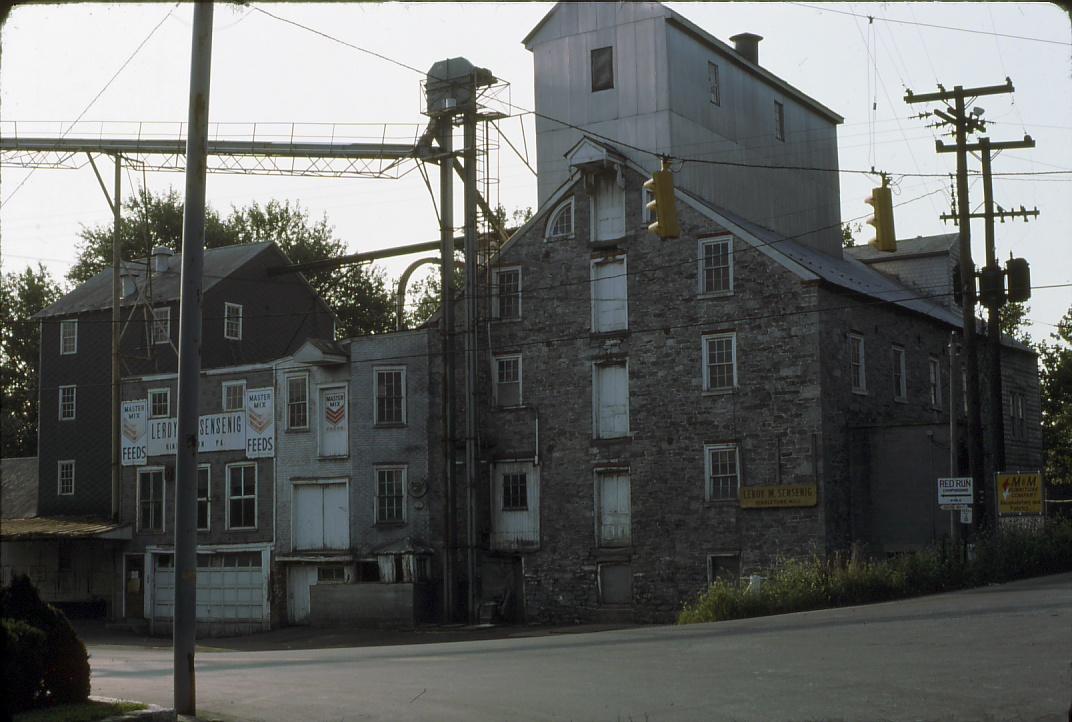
x=230, y=587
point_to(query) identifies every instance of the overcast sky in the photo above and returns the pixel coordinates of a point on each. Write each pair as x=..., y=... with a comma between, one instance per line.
x=268, y=74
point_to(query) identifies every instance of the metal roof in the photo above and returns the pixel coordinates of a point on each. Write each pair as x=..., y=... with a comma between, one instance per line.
x=96, y=293
x=18, y=487
x=62, y=527
x=907, y=247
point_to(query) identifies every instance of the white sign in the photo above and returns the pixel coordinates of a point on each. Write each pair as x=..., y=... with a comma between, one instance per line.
x=215, y=432
x=260, y=423
x=162, y=436
x=334, y=437
x=955, y=490
x=966, y=516
x=134, y=449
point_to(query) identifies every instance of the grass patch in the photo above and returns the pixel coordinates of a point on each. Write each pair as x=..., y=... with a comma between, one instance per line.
x=81, y=712
x=796, y=585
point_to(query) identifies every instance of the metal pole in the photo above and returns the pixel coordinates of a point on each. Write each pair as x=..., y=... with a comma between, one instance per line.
x=117, y=204
x=446, y=284
x=967, y=274
x=193, y=242
x=470, y=356
x=993, y=329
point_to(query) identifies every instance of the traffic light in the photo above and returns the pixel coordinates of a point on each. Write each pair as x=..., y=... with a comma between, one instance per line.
x=662, y=207
x=1019, y=273
x=881, y=201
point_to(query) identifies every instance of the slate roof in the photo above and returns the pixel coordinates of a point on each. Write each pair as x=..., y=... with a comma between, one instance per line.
x=65, y=527
x=18, y=487
x=918, y=246
x=96, y=293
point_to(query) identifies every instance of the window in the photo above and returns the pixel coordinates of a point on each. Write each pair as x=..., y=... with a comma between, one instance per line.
x=232, y=321
x=204, y=472
x=69, y=337
x=610, y=400
x=602, y=69
x=716, y=265
x=779, y=121
x=320, y=514
x=151, y=499
x=242, y=496
x=720, y=362
x=507, y=294
x=610, y=295
x=934, y=371
x=159, y=403
x=857, y=370
x=390, y=494
x=1016, y=413
x=647, y=216
x=234, y=395
x=298, y=402
x=161, y=325
x=335, y=574
x=508, y=380
x=515, y=494
x=723, y=471
x=614, y=508
x=608, y=208
x=390, y=396
x=725, y=567
x=560, y=225
x=67, y=402
x=900, y=384
x=65, y=477
x=714, y=94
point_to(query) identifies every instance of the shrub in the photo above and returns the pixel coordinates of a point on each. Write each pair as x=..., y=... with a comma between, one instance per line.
x=65, y=677
x=23, y=664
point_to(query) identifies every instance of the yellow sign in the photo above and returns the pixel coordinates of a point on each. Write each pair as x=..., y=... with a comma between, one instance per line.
x=1019, y=493
x=781, y=495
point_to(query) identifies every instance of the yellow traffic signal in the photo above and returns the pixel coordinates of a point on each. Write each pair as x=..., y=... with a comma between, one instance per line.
x=662, y=208
x=882, y=201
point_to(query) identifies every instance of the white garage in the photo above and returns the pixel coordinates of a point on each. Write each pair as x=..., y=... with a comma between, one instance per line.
x=232, y=589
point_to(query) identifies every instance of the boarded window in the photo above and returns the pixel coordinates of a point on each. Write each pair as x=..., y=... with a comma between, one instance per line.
x=515, y=517
x=321, y=516
x=602, y=69
x=610, y=390
x=615, y=584
x=334, y=422
x=608, y=210
x=610, y=295
x=614, y=508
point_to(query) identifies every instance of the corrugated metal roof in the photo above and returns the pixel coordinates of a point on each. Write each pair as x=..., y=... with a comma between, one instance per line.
x=61, y=527
x=96, y=293
x=906, y=247
x=18, y=487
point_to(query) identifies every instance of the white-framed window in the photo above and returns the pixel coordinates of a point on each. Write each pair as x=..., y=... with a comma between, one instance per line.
x=715, y=265
x=508, y=380
x=68, y=395
x=610, y=400
x=714, y=93
x=719, y=362
x=608, y=208
x=390, y=494
x=161, y=328
x=232, y=321
x=69, y=337
x=506, y=293
x=725, y=566
x=159, y=403
x=900, y=380
x=723, y=471
x=647, y=195
x=779, y=121
x=298, y=401
x=613, y=503
x=242, y=496
x=65, y=477
x=390, y=396
x=234, y=395
x=610, y=295
x=560, y=223
x=934, y=381
x=515, y=490
x=204, y=501
x=602, y=68
x=857, y=364
x=151, y=499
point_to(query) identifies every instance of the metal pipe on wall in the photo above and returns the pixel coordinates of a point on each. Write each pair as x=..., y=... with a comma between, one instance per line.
x=470, y=358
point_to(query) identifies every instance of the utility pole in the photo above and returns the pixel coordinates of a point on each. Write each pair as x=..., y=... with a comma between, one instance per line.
x=470, y=357
x=117, y=332
x=954, y=466
x=189, y=382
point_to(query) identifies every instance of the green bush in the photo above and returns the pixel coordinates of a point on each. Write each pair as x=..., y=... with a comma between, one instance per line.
x=65, y=677
x=800, y=584
x=23, y=665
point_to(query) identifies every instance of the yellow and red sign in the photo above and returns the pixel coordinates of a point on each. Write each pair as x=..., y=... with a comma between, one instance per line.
x=1019, y=493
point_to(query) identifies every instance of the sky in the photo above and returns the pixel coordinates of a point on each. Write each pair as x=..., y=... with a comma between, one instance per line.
x=123, y=69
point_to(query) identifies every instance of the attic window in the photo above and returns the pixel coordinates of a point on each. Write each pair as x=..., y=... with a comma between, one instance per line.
x=602, y=69
x=560, y=225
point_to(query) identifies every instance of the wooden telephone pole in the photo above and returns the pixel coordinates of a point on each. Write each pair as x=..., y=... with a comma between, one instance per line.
x=992, y=277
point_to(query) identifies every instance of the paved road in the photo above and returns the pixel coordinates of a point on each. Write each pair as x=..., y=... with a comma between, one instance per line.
x=996, y=653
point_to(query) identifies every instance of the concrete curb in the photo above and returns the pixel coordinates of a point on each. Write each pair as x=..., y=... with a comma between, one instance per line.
x=152, y=712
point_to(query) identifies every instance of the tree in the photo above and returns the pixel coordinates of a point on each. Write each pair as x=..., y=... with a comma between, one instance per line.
x=1014, y=322
x=847, y=239
x=1055, y=377
x=358, y=294
x=21, y=296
